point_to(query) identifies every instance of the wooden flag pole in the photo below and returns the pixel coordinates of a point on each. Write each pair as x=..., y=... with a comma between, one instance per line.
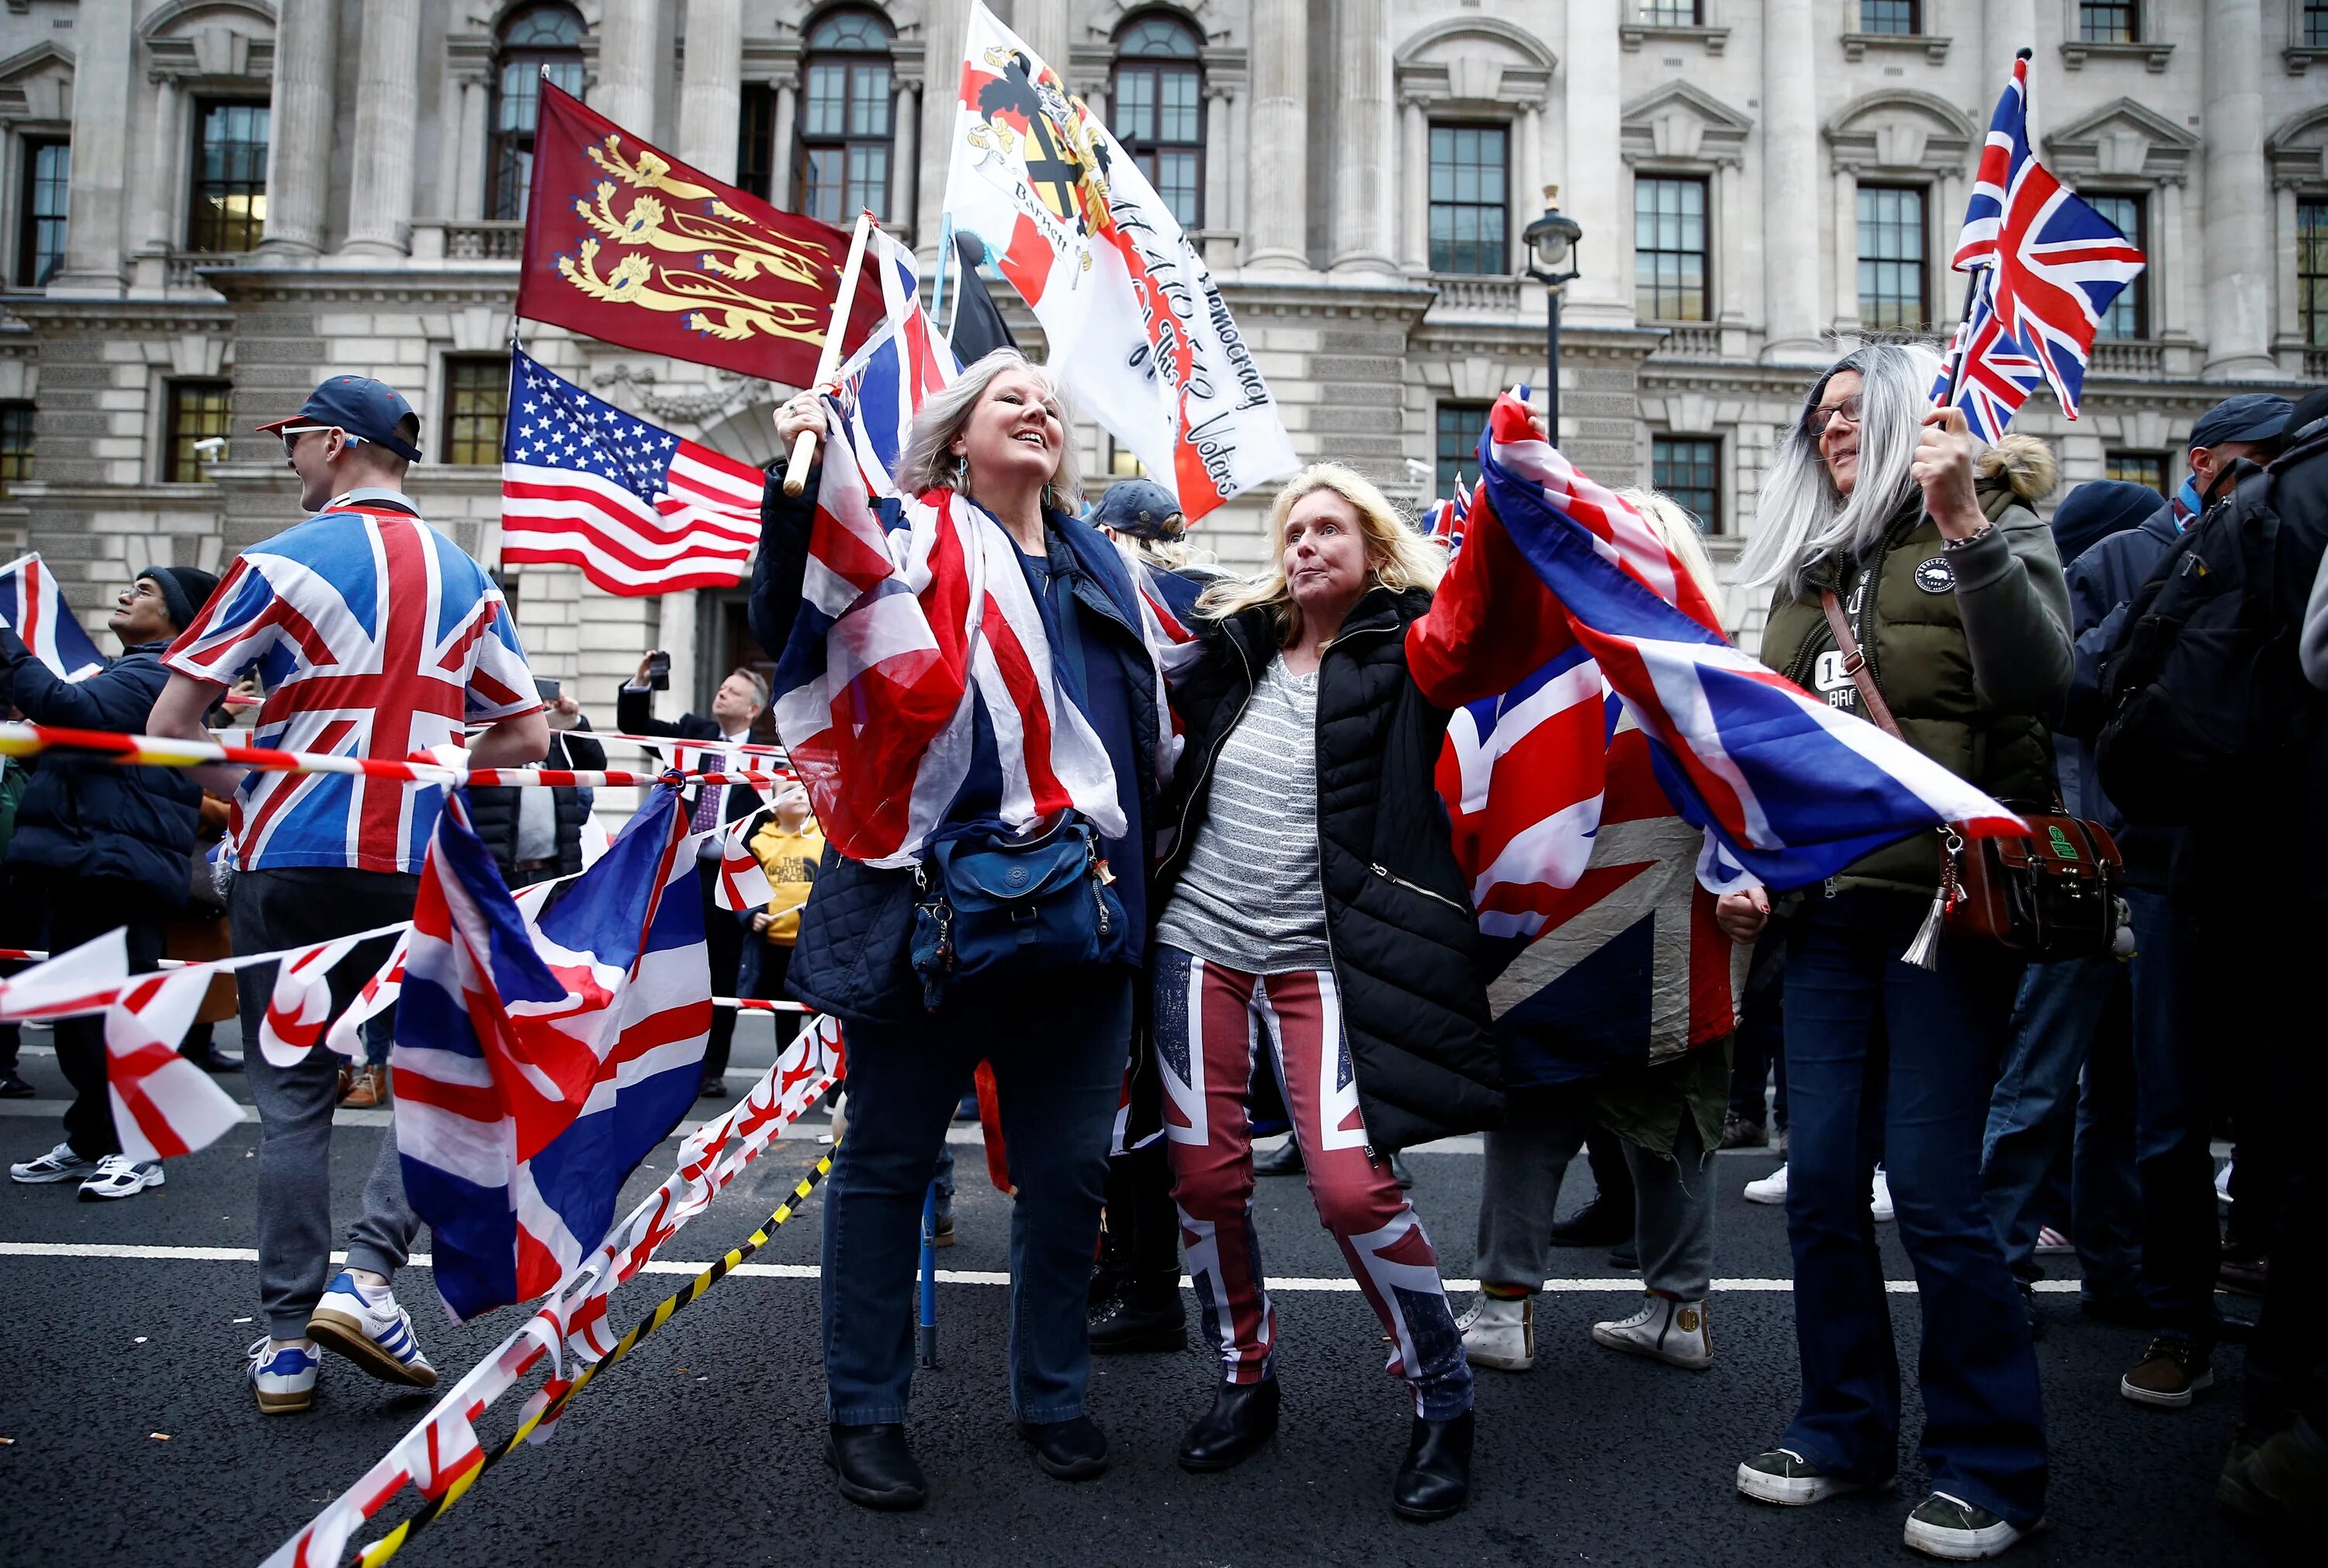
x=828, y=360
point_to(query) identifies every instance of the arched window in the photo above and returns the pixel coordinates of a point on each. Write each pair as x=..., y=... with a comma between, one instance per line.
x=1158, y=103
x=844, y=119
x=533, y=39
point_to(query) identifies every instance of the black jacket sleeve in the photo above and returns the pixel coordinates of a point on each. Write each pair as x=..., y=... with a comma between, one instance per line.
x=583, y=754
x=118, y=697
x=781, y=565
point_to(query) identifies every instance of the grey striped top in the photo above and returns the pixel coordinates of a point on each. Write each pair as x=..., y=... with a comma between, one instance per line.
x=1250, y=898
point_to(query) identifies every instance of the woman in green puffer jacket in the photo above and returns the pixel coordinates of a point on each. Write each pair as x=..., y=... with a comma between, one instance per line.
x=1953, y=593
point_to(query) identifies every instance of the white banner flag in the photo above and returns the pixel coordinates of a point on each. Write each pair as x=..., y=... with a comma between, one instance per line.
x=1137, y=326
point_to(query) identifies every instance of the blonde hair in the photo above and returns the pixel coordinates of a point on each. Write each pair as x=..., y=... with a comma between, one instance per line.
x=1397, y=558
x=1678, y=532
x=927, y=464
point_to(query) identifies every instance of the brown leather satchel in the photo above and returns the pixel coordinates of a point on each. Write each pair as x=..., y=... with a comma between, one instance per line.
x=2053, y=894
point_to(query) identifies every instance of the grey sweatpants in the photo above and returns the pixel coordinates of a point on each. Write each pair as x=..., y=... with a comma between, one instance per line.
x=1528, y=1156
x=283, y=908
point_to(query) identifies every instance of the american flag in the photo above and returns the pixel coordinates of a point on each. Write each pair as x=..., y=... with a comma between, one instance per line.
x=1993, y=374
x=2056, y=264
x=538, y=1061
x=641, y=510
x=31, y=606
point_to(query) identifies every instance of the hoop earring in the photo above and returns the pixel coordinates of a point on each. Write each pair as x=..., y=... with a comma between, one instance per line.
x=961, y=474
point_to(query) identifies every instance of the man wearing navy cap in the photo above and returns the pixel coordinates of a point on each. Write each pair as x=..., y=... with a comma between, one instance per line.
x=372, y=636
x=2249, y=426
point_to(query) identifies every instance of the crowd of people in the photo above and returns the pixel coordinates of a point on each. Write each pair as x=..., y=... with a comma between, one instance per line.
x=1252, y=919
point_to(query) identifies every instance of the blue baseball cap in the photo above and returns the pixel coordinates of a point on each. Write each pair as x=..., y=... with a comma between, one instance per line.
x=1141, y=507
x=2249, y=417
x=367, y=409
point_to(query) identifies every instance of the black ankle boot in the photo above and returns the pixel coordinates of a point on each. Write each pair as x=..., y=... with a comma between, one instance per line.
x=1434, y=1479
x=1142, y=1315
x=875, y=1468
x=1243, y=1416
x=1073, y=1449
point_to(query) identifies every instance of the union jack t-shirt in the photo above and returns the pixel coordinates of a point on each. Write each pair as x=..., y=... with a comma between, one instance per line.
x=373, y=635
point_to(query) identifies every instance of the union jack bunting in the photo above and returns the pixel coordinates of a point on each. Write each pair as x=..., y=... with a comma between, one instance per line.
x=163, y=1105
x=641, y=510
x=374, y=636
x=1789, y=790
x=538, y=1061
x=2056, y=264
x=1997, y=374
x=31, y=606
x=83, y=980
x=743, y=882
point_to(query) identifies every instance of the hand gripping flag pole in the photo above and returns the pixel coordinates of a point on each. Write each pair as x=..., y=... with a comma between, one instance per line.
x=828, y=359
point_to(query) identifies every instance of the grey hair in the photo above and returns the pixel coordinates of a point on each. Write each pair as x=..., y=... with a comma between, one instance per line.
x=1801, y=517
x=926, y=464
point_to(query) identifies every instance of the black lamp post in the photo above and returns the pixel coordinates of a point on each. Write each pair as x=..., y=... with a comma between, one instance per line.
x=1552, y=242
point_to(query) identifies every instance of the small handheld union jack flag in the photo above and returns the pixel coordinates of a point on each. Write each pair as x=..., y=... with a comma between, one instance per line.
x=1988, y=375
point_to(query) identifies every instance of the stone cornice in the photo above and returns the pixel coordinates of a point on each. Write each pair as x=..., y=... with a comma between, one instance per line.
x=75, y=315
x=457, y=282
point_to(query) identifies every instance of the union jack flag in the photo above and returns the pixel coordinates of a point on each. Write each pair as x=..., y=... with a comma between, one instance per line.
x=2055, y=263
x=539, y=1060
x=1997, y=374
x=894, y=370
x=373, y=635
x=163, y=1105
x=31, y=606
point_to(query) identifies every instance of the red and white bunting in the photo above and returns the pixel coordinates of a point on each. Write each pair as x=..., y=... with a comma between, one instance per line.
x=163, y=1105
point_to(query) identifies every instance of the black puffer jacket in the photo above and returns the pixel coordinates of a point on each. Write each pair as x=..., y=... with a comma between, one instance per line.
x=1404, y=935
x=493, y=812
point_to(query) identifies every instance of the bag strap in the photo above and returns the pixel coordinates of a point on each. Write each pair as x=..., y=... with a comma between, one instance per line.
x=1854, y=664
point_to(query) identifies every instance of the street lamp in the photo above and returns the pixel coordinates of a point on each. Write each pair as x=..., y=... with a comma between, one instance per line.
x=1552, y=242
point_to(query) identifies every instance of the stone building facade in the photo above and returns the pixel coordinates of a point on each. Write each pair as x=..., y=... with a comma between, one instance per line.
x=211, y=204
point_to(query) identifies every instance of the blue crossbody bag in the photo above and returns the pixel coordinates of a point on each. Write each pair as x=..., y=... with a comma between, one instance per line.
x=997, y=907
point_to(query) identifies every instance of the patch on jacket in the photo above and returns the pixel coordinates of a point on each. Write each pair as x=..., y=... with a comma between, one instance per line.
x=1935, y=576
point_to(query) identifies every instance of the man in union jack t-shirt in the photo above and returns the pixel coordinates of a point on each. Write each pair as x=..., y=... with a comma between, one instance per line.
x=372, y=636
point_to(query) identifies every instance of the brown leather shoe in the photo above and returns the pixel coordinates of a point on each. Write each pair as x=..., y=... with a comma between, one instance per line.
x=367, y=1088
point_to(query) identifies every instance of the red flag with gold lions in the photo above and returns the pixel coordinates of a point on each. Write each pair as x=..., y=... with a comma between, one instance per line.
x=631, y=245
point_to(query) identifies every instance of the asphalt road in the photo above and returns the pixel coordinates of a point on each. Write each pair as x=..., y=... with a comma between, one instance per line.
x=132, y=1437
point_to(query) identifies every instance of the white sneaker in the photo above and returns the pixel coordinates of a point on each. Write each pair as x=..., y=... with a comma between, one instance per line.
x=2222, y=1186
x=1772, y=1188
x=1673, y=1332
x=119, y=1176
x=375, y=1336
x=285, y=1379
x=2052, y=1244
x=1880, y=1199
x=1499, y=1334
x=59, y=1164
x=1949, y=1527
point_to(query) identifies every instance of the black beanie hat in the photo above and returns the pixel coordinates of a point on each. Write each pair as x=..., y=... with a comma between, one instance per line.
x=184, y=590
x=2098, y=509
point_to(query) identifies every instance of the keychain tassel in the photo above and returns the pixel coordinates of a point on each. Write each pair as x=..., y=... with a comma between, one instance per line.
x=1924, y=953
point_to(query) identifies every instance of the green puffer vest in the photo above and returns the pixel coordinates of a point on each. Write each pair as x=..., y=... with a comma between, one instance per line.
x=1914, y=640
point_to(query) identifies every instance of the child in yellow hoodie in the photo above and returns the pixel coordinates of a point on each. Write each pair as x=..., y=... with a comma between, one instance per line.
x=788, y=844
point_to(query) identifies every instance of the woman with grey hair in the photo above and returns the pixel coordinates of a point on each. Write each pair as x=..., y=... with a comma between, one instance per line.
x=990, y=464
x=1881, y=517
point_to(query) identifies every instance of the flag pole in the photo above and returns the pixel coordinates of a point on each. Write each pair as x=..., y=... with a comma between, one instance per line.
x=829, y=359
x=945, y=255
x=1972, y=283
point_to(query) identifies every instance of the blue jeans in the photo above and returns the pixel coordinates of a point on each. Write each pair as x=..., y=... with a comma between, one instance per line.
x=2057, y=1028
x=1059, y=1051
x=1918, y=1089
x=2174, y=1071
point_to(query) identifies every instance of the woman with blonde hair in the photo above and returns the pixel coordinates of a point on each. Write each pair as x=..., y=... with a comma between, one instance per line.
x=1317, y=943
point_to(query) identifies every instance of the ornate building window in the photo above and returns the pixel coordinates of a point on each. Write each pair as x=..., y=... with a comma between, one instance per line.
x=844, y=119
x=40, y=209
x=228, y=209
x=533, y=39
x=198, y=411
x=2108, y=21
x=755, y=141
x=2313, y=32
x=2137, y=468
x=1892, y=272
x=1673, y=13
x=2312, y=270
x=1158, y=101
x=1458, y=450
x=476, y=402
x=2128, y=316
x=1669, y=248
x=1898, y=18
x=1470, y=198
x=16, y=442
x=1688, y=468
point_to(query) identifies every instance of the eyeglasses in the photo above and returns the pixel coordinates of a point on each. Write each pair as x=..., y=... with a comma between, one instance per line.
x=1816, y=422
x=291, y=435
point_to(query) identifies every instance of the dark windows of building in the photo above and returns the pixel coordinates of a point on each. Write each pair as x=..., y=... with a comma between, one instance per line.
x=2128, y=316
x=1674, y=13
x=755, y=141
x=1688, y=468
x=2137, y=468
x=2315, y=23
x=1459, y=424
x=199, y=412
x=1470, y=198
x=1159, y=104
x=844, y=119
x=535, y=40
x=226, y=211
x=2312, y=270
x=476, y=400
x=15, y=443
x=1892, y=275
x=1896, y=16
x=1669, y=248
x=1123, y=461
x=40, y=209
x=2108, y=21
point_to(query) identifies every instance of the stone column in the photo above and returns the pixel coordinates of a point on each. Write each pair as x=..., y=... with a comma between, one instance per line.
x=2170, y=265
x=1845, y=313
x=1046, y=27
x=2237, y=230
x=469, y=176
x=103, y=46
x=780, y=175
x=2007, y=25
x=1365, y=211
x=388, y=109
x=1729, y=261
x=1527, y=174
x=943, y=22
x=1592, y=183
x=1413, y=186
x=299, y=124
x=1218, y=100
x=2286, y=311
x=1280, y=135
x=711, y=86
x=162, y=217
x=906, y=118
x=1791, y=192
x=627, y=67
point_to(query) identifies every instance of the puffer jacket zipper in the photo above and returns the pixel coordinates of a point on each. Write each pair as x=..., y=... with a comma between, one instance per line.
x=1387, y=875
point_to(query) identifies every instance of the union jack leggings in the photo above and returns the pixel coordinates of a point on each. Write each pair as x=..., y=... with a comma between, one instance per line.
x=1211, y=1026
